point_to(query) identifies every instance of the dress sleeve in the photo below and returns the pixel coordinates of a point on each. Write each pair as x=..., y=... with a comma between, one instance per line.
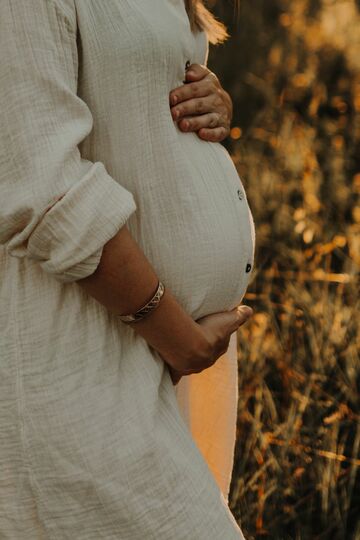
x=55, y=207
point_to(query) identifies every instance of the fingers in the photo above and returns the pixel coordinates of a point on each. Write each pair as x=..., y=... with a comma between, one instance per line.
x=194, y=123
x=191, y=90
x=243, y=313
x=208, y=126
x=216, y=134
x=202, y=96
x=200, y=105
x=218, y=328
x=196, y=72
x=238, y=316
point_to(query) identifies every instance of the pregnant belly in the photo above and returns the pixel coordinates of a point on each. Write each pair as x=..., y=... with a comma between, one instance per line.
x=197, y=228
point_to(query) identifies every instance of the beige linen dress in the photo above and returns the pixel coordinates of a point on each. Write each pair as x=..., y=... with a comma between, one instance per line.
x=95, y=441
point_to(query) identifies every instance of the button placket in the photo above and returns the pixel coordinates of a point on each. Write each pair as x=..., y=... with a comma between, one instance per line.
x=240, y=195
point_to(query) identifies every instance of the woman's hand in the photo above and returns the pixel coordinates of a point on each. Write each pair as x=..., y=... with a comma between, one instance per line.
x=216, y=331
x=202, y=105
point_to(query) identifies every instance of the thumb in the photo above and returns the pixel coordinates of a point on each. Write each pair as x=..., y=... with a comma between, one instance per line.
x=238, y=316
x=245, y=311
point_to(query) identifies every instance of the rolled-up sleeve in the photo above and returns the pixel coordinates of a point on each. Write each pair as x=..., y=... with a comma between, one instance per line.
x=56, y=207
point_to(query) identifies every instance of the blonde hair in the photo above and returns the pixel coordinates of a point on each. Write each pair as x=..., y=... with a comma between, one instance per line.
x=201, y=18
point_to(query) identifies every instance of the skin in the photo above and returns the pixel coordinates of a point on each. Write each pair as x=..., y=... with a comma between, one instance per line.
x=201, y=105
x=125, y=280
x=124, y=276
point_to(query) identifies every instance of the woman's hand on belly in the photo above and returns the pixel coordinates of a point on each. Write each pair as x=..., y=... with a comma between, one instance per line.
x=216, y=329
x=202, y=105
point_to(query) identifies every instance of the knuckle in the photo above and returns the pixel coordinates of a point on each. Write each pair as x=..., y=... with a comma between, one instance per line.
x=213, y=120
x=194, y=89
x=199, y=105
x=218, y=101
x=214, y=77
x=209, y=87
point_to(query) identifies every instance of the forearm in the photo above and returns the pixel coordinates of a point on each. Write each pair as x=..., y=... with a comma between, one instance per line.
x=125, y=280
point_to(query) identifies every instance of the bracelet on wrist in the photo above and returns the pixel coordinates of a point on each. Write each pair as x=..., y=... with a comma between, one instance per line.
x=147, y=308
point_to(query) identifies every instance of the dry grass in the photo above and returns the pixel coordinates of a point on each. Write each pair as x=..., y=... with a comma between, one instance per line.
x=297, y=466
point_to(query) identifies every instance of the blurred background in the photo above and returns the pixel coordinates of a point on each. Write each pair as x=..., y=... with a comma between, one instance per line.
x=292, y=68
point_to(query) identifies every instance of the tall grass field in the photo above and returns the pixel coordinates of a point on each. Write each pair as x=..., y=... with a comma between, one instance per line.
x=293, y=70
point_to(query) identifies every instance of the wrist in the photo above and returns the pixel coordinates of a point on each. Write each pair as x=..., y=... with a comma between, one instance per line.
x=147, y=308
x=195, y=351
x=171, y=331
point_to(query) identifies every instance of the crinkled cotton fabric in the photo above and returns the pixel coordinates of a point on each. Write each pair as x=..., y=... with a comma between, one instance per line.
x=96, y=441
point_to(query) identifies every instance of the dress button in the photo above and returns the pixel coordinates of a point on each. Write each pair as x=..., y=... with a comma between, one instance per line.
x=248, y=267
x=239, y=194
x=187, y=65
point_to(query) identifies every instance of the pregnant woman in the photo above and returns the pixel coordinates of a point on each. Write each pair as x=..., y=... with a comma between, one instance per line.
x=113, y=429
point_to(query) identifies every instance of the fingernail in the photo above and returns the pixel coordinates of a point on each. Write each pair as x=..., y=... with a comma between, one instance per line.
x=174, y=100
x=190, y=72
x=247, y=311
x=185, y=125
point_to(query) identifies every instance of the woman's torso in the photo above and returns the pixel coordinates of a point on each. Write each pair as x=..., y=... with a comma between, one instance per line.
x=193, y=220
x=88, y=410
